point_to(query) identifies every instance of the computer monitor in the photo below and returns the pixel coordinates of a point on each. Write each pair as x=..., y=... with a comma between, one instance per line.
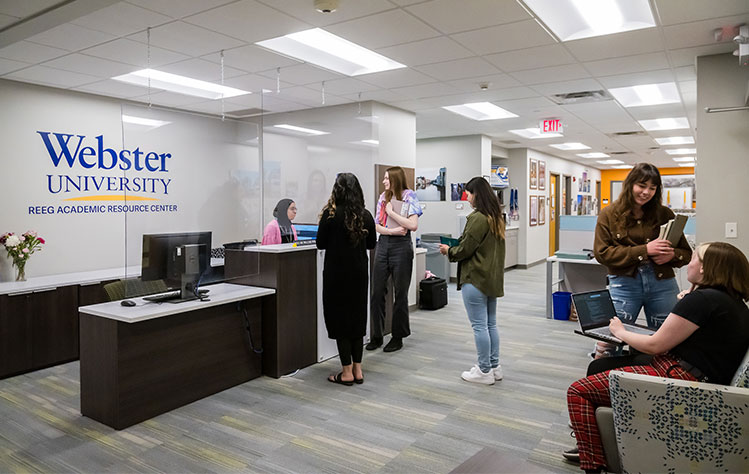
x=306, y=231
x=178, y=258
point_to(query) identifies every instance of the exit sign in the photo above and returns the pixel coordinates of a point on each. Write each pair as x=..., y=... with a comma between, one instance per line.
x=553, y=125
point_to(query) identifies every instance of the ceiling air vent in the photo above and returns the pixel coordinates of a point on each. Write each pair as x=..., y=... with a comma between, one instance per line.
x=637, y=133
x=581, y=97
x=242, y=113
x=618, y=153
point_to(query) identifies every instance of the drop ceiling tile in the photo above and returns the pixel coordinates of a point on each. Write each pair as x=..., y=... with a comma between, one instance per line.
x=396, y=78
x=201, y=69
x=179, y=9
x=628, y=43
x=448, y=17
x=135, y=53
x=413, y=106
x=567, y=72
x=71, y=37
x=495, y=81
x=656, y=111
x=343, y=86
x=688, y=86
x=121, y=19
x=187, y=39
x=249, y=21
x=426, y=90
x=380, y=95
x=84, y=64
x=52, y=77
x=565, y=87
x=169, y=99
x=427, y=51
x=112, y=88
x=699, y=33
x=7, y=20
x=253, y=58
x=306, y=12
x=483, y=96
x=458, y=69
x=8, y=65
x=28, y=52
x=527, y=106
x=685, y=11
x=384, y=29
x=255, y=83
x=531, y=58
x=496, y=39
x=688, y=56
x=686, y=73
x=301, y=74
x=648, y=77
x=24, y=8
x=628, y=64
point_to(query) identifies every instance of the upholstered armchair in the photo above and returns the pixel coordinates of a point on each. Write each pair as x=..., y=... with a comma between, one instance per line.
x=668, y=425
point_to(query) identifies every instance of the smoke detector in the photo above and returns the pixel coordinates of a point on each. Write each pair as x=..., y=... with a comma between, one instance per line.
x=484, y=85
x=326, y=6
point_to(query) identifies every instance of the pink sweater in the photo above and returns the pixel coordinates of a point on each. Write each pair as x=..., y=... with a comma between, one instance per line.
x=272, y=233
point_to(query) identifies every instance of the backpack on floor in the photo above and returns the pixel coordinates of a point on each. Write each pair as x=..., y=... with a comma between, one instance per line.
x=432, y=293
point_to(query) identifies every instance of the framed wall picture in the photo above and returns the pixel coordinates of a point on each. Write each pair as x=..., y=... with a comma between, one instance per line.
x=534, y=174
x=541, y=175
x=541, y=210
x=534, y=210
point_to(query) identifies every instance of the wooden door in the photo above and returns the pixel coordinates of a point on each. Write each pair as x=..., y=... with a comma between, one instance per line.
x=553, y=213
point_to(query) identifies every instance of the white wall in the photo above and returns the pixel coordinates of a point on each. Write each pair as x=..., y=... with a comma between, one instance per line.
x=722, y=150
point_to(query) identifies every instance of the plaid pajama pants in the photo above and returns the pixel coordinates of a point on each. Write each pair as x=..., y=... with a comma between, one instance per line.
x=585, y=395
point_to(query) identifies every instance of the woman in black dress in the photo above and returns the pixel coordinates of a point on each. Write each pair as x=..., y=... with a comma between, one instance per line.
x=346, y=231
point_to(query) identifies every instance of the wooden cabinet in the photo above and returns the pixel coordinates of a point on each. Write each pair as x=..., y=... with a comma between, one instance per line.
x=15, y=334
x=511, y=248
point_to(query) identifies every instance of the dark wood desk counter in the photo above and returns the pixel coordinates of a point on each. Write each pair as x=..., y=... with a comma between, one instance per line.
x=142, y=361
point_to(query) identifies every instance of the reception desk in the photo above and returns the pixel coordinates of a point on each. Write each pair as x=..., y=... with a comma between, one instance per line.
x=142, y=361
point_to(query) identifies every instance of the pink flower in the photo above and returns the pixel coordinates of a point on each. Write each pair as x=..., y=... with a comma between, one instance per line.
x=42, y=241
x=25, y=250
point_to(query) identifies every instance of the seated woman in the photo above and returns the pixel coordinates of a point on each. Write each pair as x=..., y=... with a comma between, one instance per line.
x=704, y=338
x=280, y=230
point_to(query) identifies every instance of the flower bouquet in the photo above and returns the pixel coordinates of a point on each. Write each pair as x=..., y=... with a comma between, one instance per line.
x=20, y=248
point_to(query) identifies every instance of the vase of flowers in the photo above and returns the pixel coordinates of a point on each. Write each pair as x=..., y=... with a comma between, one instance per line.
x=20, y=248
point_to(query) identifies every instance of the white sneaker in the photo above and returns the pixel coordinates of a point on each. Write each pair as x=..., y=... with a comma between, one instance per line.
x=497, y=373
x=475, y=375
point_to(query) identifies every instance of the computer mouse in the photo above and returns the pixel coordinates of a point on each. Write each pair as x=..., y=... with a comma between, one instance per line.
x=127, y=303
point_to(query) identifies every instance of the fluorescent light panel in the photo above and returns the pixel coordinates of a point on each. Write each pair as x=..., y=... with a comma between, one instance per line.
x=179, y=84
x=684, y=159
x=534, y=133
x=672, y=123
x=570, y=146
x=318, y=47
x=623, y=167
x=686, y=165
x=610, y=162
x=306, y=131
x=675, y=140
x=146, y=122
x=480, y=111
x=647, y=94
x=682, y=151
x=595, y=154
x=576, y=19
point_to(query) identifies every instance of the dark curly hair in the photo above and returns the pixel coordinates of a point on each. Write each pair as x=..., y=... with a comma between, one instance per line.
x=347, y=199
x=641, y=173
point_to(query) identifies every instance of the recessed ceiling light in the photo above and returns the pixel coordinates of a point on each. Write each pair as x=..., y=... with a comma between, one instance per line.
x=534, y=133
x=146, y=122
x=306, y=131
x=480, y=111
x=179, y=84
x=682, y=151
x=595, y=154
x=576, y=19
x=646, y=94
x=570, y=146
x=673, y=123
x=675, y=140
x=610, y=162
x=623, y=167
x=684, y=159
x=318, y=47
x=686, y=165
x=371, y=142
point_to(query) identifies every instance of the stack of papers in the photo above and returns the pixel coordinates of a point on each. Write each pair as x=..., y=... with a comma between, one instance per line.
x=673, y=229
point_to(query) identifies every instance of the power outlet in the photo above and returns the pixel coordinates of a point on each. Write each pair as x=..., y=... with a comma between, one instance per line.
x=731, y=230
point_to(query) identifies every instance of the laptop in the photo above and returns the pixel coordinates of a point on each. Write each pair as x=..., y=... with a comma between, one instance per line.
x=594, y=311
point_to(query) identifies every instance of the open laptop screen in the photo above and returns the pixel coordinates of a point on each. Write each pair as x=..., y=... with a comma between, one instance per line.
x=594, y=308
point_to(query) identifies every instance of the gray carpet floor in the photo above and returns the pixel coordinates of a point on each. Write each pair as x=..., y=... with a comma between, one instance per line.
x=413, y=414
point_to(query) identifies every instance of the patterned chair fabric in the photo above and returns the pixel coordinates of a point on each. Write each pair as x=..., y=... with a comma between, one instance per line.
x=741, y=379
x=217, y=252
x=669, y=425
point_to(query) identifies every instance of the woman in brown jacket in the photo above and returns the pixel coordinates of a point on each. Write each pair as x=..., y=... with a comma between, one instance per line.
x=640, y=265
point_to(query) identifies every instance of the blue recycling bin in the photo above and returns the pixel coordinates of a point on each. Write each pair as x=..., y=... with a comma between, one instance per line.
x=562, y=301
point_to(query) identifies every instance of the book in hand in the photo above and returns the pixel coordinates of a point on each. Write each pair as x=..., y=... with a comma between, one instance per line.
x=673, y=229
x=449, y=241
x=399, y=207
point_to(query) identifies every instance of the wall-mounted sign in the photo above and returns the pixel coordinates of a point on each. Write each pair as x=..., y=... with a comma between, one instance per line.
x=551, y=125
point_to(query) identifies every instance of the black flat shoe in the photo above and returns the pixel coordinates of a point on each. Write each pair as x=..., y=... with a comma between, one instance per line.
x=359, y=381
x=337, y=379
x=395, y=344
x=373, y=344
x=572, y=455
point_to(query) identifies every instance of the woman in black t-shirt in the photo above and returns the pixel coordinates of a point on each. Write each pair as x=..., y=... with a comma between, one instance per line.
x=704, y=338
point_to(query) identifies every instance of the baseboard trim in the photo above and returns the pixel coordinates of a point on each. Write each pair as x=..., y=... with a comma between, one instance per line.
x=529, y=265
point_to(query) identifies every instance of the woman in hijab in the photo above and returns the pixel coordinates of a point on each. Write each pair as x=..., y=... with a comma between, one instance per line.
x=280, y=230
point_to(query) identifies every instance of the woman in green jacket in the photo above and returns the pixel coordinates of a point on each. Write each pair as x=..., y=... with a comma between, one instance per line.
x=480, y=254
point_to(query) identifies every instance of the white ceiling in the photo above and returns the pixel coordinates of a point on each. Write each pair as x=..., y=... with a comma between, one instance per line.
x=449, y=46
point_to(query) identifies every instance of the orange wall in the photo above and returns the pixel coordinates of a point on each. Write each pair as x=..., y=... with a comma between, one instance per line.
x=607, y=176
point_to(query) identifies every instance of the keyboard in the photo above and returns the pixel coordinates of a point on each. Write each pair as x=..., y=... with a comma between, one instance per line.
x=302, y=243
x=171, y=296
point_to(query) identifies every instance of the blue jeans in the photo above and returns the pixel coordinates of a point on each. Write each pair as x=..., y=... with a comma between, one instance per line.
x=630, y=294
x=482, y=313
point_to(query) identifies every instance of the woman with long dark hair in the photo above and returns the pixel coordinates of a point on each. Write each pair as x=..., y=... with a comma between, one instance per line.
x=640, y=265
x=398, y=212
x=346, y=231
x=480, y=254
